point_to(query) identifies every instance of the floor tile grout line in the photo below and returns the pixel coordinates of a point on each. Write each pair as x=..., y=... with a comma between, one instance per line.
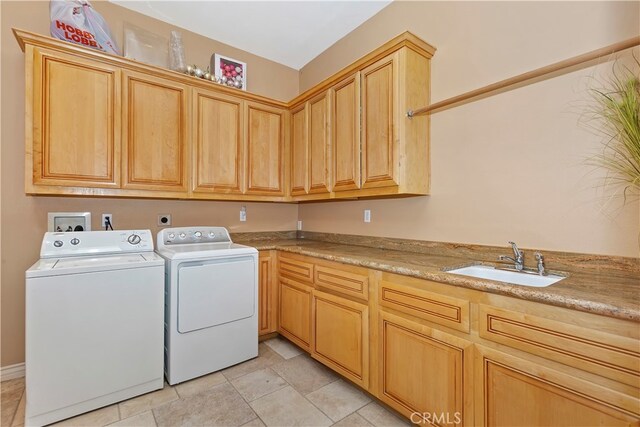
x=271, y=392
x=15, y=411
x=353, y=412
x=155, y=421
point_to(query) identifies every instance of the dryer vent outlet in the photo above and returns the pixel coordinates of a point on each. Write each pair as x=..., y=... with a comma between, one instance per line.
x=164, y=220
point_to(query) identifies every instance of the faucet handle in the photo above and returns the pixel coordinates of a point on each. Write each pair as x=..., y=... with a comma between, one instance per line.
x=516, y=251
x=540, y=259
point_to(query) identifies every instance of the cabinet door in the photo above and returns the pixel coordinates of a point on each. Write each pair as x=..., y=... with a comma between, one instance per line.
x=76, y=122
x=299, y=151
x=294, y=320
x=341, y=336
x=424, y=370
x=379, y=123
x=266, y=294
x=155, y=135
x=265, y=149
x=515, y=392
x=345, y=101
x=318, y=145
x=218, y=135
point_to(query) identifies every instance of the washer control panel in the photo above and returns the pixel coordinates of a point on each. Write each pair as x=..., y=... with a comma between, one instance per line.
x=193, y=235
x=56, y=244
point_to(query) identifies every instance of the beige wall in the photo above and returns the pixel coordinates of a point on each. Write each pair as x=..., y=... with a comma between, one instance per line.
x=509, y=167
x=24, y=218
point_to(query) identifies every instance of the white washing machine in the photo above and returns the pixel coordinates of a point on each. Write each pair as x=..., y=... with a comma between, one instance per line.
x=211, y=301
x=94, y=316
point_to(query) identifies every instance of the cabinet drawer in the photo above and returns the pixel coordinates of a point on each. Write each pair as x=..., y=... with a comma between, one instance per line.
x=354, y=283
x=295, y=268
x=436, y=308
x=604, y=354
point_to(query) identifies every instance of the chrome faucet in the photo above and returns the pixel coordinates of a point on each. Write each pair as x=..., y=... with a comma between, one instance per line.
x=540, y=260
x=518, y=257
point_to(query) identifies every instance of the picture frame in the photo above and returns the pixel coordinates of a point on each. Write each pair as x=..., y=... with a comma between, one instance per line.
x=227, y=70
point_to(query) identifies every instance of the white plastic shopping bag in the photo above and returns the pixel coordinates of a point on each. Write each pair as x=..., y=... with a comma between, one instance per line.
x=75, y=21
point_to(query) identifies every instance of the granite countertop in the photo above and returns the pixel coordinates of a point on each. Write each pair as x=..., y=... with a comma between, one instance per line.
x=614, y=295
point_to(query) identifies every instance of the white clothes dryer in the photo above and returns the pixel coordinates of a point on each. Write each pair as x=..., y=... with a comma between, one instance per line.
x=211, y=301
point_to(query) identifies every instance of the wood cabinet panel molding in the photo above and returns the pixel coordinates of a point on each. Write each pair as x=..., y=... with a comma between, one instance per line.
x=156, y=133
x=553, y=398
x=75, y=138
x=218, y=127
x=268, y=159
x=424, y=370
x=341, y=280
x=612, y=356
x=341, y=336
x=295, y=268
x=437, y=308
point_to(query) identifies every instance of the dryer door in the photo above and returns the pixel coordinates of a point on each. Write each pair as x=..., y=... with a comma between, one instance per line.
x=214, y=292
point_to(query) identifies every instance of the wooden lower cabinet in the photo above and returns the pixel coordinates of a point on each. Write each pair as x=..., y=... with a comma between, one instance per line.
x=425, y=373
x=441, y=355
x=341, y=336
x=267, y=294
x=511, y=391
x=294, y=320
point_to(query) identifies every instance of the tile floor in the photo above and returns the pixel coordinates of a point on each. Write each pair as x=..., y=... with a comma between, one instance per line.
x=281, y=387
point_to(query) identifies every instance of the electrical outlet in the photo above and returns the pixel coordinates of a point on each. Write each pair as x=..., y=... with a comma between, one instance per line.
x=367, y=215
x=164, y=220
x=105, y=224
x=299, y=225
x=243, y=214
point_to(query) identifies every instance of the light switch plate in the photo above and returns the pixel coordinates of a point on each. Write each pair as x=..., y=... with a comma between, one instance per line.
x=367, y=215
x=69, y=221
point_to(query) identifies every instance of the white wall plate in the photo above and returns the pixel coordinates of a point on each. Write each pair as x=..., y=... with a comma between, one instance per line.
x=69, y=221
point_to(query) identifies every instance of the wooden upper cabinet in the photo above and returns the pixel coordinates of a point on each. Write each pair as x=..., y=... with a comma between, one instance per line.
x=265, y=149
x=395, y=148
x=310, y=148
x=379, y=111
x=218, y=142
x=155, y=133
x=75, y=137
x=299, y=151
x=345, y=120
x=103, y=125
x=319, y=145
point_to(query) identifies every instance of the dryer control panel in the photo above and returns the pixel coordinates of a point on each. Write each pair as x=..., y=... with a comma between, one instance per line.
x=193, y=235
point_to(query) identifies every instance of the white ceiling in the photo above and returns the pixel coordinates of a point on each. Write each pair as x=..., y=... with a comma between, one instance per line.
x=288, y=32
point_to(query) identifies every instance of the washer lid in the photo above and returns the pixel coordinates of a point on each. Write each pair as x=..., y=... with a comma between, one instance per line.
x=205, y=250
x=88, y=264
